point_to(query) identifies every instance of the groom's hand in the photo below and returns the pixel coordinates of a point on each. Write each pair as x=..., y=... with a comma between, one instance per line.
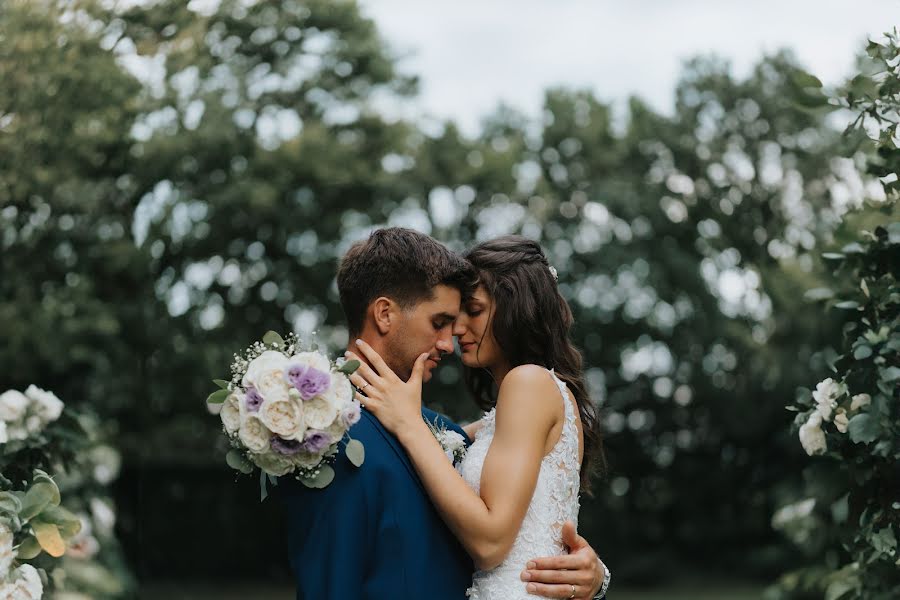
x=554, y=576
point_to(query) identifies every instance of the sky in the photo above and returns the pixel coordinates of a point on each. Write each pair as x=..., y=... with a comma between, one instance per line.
x=473, y=54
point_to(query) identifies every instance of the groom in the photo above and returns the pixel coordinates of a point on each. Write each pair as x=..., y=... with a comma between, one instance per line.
x=373, y=533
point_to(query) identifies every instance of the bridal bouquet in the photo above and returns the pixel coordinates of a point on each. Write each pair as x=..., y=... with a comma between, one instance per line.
x=287, y=411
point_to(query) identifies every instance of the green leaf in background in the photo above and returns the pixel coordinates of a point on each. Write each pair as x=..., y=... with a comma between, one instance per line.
x=48, y=537
x=69, y=525
x=217, y=397
x=39, y=496
x=847, y=305
x=862, y=351
x=322, y=480
x=890, y=374
x=10, y=502
x=349, y=367
x=863, y=428
x=837, y=589
x=29, y=548
x=237, y=461
x=356, y=452
x=884, y=541
x=273, y=339
x=221, y=383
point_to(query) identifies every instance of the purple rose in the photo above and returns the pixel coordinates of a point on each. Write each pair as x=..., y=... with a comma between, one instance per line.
x=351, y=414
x=285, y=447
x=316, y=441
x=252, y=400
x=309, y=381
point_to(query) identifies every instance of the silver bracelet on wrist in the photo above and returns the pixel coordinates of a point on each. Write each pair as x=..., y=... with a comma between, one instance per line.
x=606, y=577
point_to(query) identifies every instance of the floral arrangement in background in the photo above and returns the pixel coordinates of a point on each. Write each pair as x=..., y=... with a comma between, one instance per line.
x=56, y=518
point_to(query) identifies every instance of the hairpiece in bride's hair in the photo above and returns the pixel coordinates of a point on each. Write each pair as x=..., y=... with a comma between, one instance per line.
x=554, y=273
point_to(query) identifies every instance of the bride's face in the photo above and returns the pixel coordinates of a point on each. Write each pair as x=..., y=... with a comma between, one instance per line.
x=473, y=332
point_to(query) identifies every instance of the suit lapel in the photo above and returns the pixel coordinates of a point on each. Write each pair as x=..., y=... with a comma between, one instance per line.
x=397, y=447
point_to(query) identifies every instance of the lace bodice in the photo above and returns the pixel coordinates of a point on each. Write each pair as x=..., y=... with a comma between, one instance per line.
x=555, y=501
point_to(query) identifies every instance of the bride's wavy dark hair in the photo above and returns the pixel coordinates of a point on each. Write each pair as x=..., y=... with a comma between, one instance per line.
x=532, y=323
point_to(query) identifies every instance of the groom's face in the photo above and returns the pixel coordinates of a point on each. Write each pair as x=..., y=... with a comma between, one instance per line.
x=423, y=327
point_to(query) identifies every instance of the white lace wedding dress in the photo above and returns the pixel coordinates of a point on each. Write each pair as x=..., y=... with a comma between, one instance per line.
x=554, y=502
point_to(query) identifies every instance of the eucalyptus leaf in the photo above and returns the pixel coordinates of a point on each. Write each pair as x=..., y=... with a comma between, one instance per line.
x=356, y=452
x=238, y=461
x=349, y=367
x=322, y=480
x=890, y=374
x=221, y=383
x=273, y=339
x=10, y=502
x=217, y=397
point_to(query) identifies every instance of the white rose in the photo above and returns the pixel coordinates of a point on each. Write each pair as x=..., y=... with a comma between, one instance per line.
x=47, y=405
x=16, y=432
x=284, y=417
x=33, y=424
x=3, y=437
x=254, y=434
x=6, y=550
x=270, y=360
x=319, y=412
x=812, y=438
x=826, y=394
x=312, y=359
x=860, y=400
x=12, y=405
x=340, y=392
x=273, y=464
x=841, y=420
x=231, y=413
x=26, y=583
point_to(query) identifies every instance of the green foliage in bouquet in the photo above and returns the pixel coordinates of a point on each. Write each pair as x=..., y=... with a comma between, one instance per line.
x=853, y=418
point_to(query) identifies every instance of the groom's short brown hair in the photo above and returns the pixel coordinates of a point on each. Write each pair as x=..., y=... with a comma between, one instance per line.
x=399, y=263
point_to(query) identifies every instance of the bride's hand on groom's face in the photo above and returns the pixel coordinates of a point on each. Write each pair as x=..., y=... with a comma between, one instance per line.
x=394, y=402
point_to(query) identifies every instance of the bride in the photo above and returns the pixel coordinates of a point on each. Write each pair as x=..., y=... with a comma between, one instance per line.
x=533, y=450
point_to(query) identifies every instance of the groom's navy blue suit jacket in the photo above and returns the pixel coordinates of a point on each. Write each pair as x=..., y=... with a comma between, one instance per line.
x=373, y=533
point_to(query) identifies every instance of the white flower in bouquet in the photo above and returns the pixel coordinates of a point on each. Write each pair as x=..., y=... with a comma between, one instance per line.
x=231, y=412
x=253, y=434
x=266, y=374
x=841, y=421
x=319, y=413
x=6, y=550
x=812, y=438
x=860, y=400
x=45, y=404
x=287, y=411
x=283, y=417
x=13, y=405
x=826, y=395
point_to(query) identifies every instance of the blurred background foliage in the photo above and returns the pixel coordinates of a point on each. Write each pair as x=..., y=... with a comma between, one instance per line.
x=176, y=181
